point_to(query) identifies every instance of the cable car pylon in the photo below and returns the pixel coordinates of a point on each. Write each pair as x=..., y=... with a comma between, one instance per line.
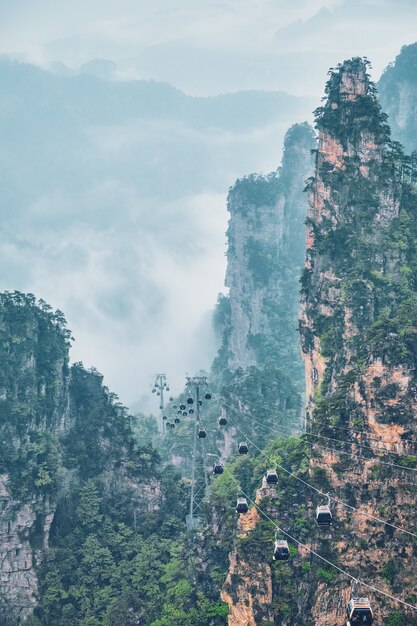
x=199, y=484
x=161, y=385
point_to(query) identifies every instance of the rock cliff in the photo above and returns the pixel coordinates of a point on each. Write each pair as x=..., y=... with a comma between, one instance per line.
x=358, y=329
x=264, y=262
x=59, y=427
x=358, y=333
x=397, y=89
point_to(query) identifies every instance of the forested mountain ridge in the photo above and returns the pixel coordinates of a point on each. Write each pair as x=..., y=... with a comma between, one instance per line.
x=91, y=523
x=359, y=291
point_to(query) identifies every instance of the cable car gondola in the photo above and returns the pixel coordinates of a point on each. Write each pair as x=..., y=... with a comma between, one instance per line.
x=271, y=477
x=202, y=433
x=184, y=413
x=177, y=420
x=359, y=611
x=182, y=407
x=222, y=420
x=165, y=417
x=281, y=550
x=207, y=395
x=243, y=447
x=218, y=468
x=324, y=515
x=242, y=505
x=190, y=400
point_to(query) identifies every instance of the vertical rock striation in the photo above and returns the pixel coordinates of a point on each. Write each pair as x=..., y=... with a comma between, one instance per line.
x=397, y=89
x=358, y=337
x=358, y=331
x=59, y=427
x=34, y=375
x=265, y=258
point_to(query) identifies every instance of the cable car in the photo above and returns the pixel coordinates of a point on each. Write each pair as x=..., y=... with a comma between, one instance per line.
x=172, y=425
x=242, y=505
x=165, y=417
x=166, y=387
x=177, y=420
x=190, y=400
x=207, y=396
x=359, y=611
x=154, y=390
x=174, y=406
x=200, y=402
x=171, y=399
x=182, y=407
x=218, y=469
x=271, y=477
x=158, y=393
x=184, y=413
x=222, y=421
x=281, y=550
x=202, y=433
x=179, y=412
x=243, y=447
x=191, y=411
x=324, y=515
x=161, y=406
x=168, y=424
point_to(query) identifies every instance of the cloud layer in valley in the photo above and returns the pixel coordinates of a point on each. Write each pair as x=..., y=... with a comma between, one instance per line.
x=113, y=190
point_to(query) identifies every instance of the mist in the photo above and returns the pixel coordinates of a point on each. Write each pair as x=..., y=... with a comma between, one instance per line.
x=115, y=165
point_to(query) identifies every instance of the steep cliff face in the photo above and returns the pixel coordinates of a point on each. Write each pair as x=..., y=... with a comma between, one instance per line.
x=397, y=89
x=358, y=332
x=358, y=337
x=34, y=376
x=265, y=257
x=59, y=427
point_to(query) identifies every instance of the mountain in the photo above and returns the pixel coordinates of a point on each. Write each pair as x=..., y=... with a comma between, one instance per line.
x=116, y=190
x=397, y=89
x=91, y=523
x=358, y=326
x=266, y=242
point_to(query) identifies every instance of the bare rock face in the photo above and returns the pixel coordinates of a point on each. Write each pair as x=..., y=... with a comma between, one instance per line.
x=248, y=586
x=265, y=257
x=59, y=426
x=357, y=329
x=397, y=89
x=34, y=376
x=20, y=554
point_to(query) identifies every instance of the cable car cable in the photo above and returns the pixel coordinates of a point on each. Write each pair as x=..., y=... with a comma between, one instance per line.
x=333, y=498
x=291, y=434
x=341, y=570
x=358, y=456
x=325, y=425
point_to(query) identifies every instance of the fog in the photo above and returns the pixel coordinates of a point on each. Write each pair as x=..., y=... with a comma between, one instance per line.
x=113, y=190
x=210, y=47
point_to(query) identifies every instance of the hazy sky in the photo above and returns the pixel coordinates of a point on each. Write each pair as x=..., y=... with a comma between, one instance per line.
x=137, y=272
x=211, y=47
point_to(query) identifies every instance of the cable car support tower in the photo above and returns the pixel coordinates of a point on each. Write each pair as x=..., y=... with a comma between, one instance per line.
x=199, y=476
x=160, y=385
